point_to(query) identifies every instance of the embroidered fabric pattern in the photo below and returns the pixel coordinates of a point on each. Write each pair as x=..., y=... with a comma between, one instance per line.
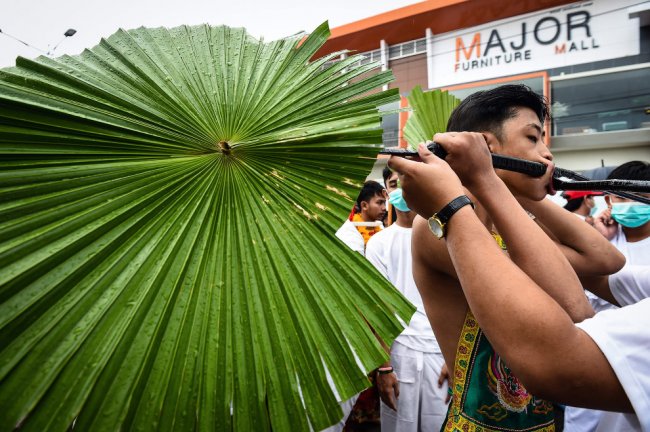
x=499, y=241
x=486, y=396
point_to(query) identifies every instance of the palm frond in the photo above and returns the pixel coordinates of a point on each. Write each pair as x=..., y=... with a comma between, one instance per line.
x=168, y=200
x=431, y=110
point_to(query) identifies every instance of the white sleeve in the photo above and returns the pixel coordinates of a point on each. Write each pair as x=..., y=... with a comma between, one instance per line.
x=623, y=335
x=631, y=284
x=374, y=248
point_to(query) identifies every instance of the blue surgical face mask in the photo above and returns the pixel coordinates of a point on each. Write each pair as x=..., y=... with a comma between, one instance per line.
x=593, y=211
x=397, y=200
x=631, y=214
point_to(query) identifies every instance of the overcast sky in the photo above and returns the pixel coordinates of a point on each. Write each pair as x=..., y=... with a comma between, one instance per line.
x=41, y=23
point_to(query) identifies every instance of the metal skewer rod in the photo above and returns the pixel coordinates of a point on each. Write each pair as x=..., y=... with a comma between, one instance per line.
x=536, y=169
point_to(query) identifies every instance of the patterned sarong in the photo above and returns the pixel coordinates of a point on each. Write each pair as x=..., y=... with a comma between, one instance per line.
x=486, y=396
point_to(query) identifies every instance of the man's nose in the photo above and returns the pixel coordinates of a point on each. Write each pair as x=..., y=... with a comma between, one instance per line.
x=546, y=153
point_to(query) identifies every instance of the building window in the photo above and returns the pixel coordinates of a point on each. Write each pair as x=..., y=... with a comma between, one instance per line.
x=601, y=102
x=390, y=124
x=407, y=49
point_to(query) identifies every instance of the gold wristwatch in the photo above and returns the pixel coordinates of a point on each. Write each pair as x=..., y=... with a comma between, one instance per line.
x=438, y=222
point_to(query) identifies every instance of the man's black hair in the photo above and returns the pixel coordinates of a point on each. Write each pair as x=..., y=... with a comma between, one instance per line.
x=386, y=173
x=369, y=190
x=573, y=204
x=634, y=170
x=485, y=111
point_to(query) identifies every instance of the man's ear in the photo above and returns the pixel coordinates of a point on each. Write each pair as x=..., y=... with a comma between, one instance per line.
x=492, y=141
x=364, y=205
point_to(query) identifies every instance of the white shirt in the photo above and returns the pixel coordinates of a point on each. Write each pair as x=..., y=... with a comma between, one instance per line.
x=350, y=235
x=628, y=286
x=631, y=284
x=623, y=335
x=636, y=253
x=390, y=252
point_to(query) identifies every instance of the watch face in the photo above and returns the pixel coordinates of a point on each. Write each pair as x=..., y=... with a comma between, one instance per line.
x=436, y=227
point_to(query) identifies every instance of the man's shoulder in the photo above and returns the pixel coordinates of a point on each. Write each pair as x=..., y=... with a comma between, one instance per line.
x=346, y=226
x=349, y=235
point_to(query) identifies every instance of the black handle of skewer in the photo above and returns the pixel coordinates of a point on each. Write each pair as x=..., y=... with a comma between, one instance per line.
x=533, y=169
x=616, y=187
x=536, y=169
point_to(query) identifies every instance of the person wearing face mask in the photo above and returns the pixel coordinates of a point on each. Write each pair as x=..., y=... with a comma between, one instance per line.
x=412, y=384
x=581, y=204
x=626, y=224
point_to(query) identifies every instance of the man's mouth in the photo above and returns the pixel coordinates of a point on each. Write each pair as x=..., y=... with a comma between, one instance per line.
x=551, y=190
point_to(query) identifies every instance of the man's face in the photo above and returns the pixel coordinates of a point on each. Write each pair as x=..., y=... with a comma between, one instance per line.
x=523, y=137
x=610, y=199
x=374, y=209
x=391, y=183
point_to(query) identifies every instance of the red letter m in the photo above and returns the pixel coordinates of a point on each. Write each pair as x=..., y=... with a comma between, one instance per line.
x=560, y=49
x=476, y=43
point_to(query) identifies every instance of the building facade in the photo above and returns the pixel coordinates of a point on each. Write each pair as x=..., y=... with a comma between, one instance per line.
x=591, y=59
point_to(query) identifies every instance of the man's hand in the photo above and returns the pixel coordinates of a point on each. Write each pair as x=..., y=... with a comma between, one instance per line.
x=605, y=225
x=388, y=387
x=469, y=156
x=429, y=186
x=444, y=376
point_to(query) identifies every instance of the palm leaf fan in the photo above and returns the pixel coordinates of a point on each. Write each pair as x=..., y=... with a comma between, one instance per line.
x=431, y=110
x=168, y=200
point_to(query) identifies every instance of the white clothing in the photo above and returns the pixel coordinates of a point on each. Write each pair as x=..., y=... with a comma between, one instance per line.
x=623, y=336
x=350, y=235
x=415, y=354
x=632, y=283
x=599, y=305
x=636, y=253
x=581, y=419
x=346, y=406
x=421, y=404
x=629, y=285
x=390, y=252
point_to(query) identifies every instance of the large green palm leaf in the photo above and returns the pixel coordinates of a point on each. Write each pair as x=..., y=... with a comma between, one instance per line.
x=167, y=207
x=431, y=111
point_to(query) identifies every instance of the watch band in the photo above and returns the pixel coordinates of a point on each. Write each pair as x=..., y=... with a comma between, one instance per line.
x=454, y=205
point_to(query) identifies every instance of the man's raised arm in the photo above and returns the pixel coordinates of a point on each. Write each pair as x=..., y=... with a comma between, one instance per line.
x=553, y=358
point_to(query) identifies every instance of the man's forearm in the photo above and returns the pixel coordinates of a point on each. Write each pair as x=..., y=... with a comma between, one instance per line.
x=517, y=316
x=534, y=335
x=588, y=252
x=533, y=251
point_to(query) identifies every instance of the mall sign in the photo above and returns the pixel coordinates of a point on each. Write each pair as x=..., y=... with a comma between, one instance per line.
x=576, y=33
